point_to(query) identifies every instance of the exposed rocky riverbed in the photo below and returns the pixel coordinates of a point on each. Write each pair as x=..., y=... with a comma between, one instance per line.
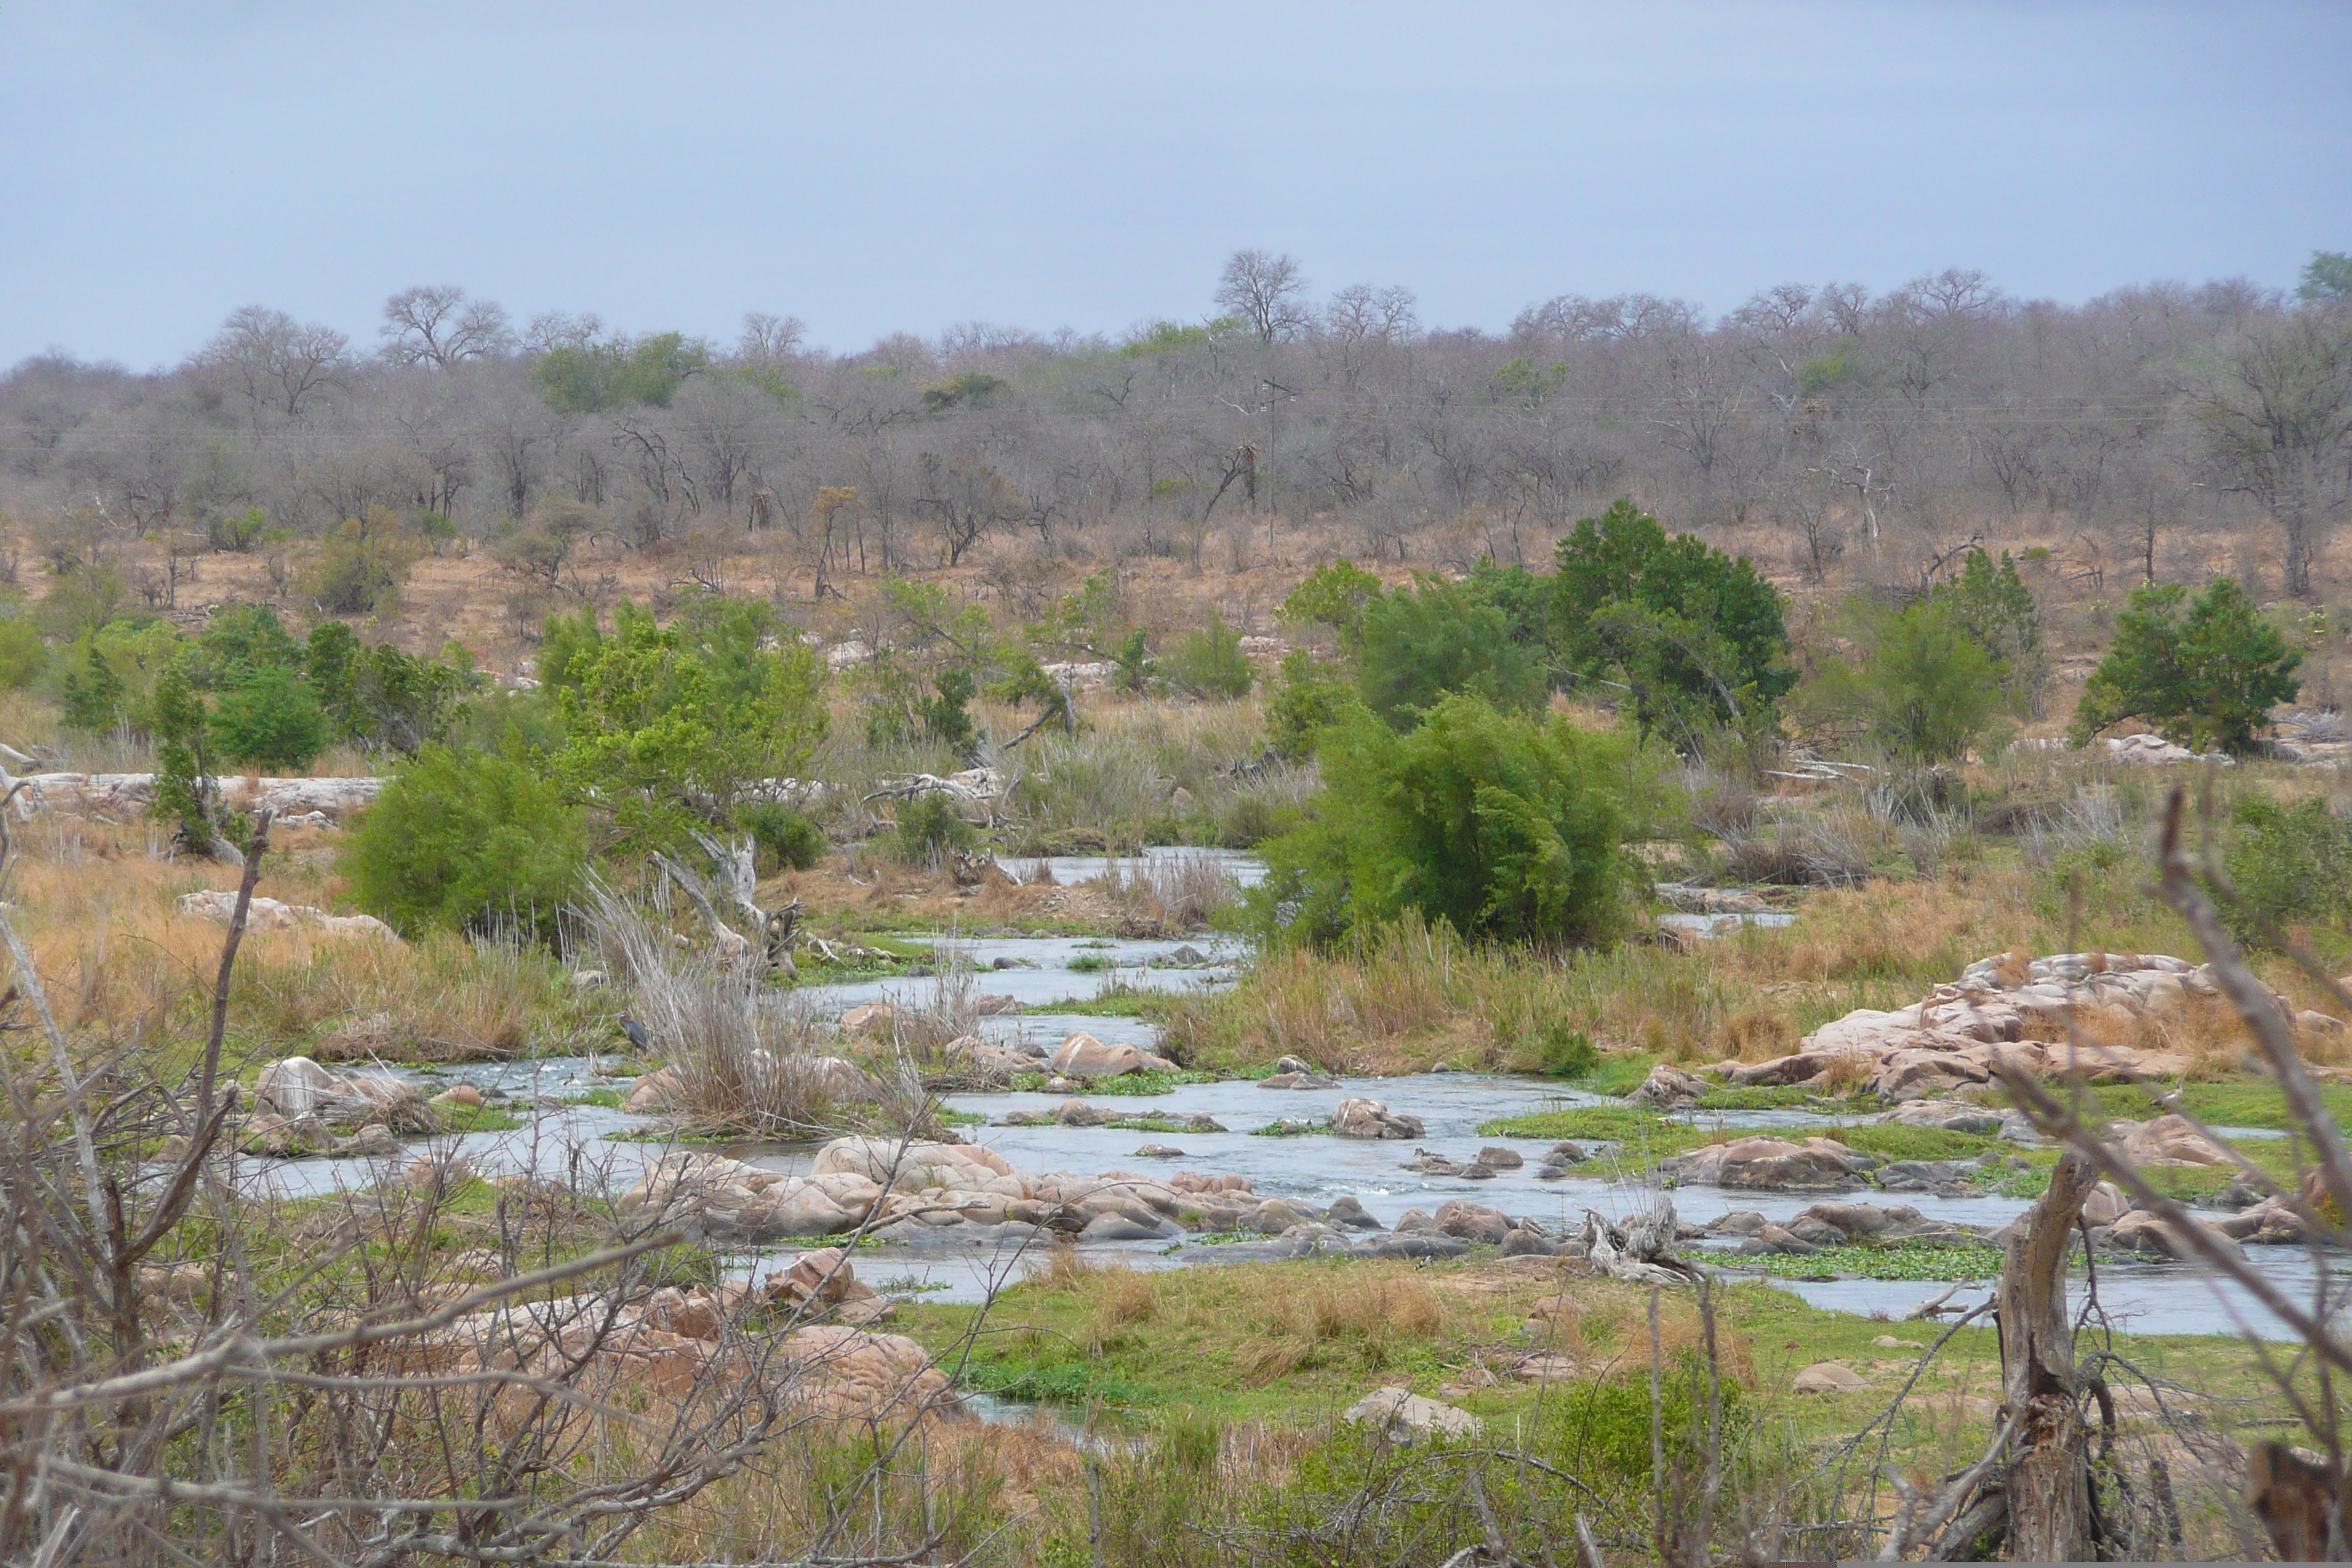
x=1231, y=1169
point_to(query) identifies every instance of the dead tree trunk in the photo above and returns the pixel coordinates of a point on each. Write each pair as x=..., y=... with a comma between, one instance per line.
x=2049, y=1473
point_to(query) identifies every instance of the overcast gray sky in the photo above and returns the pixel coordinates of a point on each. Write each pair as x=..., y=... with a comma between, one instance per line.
x=904, y=168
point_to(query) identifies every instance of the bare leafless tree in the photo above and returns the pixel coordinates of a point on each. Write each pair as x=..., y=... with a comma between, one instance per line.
x=279, y=365
x=1266, y=291
x=436, y=324
x=2277, y=414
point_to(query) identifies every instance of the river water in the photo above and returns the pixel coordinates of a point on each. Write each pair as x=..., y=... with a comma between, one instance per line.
x=589, y=1145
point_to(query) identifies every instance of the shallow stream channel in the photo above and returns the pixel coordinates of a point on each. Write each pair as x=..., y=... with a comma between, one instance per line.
x=566, y=1136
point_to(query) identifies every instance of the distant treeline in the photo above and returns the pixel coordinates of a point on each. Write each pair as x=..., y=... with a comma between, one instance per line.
x=1828, y=411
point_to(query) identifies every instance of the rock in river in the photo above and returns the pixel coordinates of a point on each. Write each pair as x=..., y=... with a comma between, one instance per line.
x=1370, y=1118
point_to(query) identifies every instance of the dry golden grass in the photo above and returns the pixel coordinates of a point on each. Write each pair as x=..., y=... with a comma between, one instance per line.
x=124, y=966
x=1606, y=1330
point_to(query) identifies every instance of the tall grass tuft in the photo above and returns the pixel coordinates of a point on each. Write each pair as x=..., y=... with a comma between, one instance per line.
x=745, y=1059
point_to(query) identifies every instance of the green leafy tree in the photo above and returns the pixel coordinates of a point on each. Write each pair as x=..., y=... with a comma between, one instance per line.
x=1025, y=683
x=1306, y=698
x=467, y=840
x=1504, y=825
x=1210, y=662
x=184, y=788
x=1995, y=607
x=1333, y=595
x=1698, y=635
x=597, y=378
x=379, y=697
x=1418, y=645
x=2326, y=278
x=93, y=691
x=666, y=726
x=1919, y=685
x=2206, y=673
x=270, y=719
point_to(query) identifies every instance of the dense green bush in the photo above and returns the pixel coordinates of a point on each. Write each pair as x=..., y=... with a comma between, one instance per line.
x=1210, y=662
x=467, y=840
x=1700, y=638
x=92, y=691
x=22, y=655
x=665, y=726
x=268, y=719
x=785, y=836
x=379, y=696
x=1995, y=607
x=1333, y=596
x=947, y=713
x=1503, y=825
x=241, y=640
x=2205, y=672
x=1918, y=686
x=361, y=567
x=2289, y=864
x=929, y=830
x=1564, y=1052
x=1434, y=639
x=1306, y=698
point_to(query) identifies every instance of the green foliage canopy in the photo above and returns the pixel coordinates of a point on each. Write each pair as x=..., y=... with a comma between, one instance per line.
x=665, y=727
x=1420, y=644
x=2287, y=863
x=2326, y=278
x=597, y=378
x=1697, y=635
x=1333, y=595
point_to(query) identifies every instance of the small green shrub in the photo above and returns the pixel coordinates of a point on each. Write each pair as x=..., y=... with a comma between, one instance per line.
x=1605, y=1426
x=467, y=840
x=361, y=568
x=238, y=535
x=1921, y=687
x=1210, y=662
x=946, y=715
x=785, y=837
x=1334, y=596
x=1563, y=1052
x=1136, y=665
x=928, y=828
